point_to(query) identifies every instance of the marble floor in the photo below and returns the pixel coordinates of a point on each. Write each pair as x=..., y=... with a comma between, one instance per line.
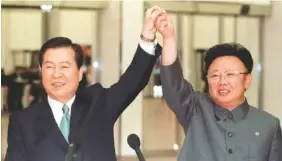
x=4, y=127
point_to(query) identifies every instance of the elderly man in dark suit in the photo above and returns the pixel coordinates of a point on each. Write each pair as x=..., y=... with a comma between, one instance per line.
x=82, y=118
x=221, y=125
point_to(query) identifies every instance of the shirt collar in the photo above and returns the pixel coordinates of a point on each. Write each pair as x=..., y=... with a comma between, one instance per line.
x=55, y=104
x=237, y=114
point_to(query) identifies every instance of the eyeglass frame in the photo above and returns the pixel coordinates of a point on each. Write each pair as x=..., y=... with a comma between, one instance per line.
x=234, y=74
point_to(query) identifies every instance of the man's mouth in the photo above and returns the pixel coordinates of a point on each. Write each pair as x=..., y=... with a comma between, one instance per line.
x=58, y=84
x=223, y=92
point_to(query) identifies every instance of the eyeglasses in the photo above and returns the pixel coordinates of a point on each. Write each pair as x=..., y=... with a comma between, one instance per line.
x=228, y=76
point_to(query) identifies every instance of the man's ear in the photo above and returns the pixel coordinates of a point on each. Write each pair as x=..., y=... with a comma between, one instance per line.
x=248, y=81
x=80, y=73
x=39, y=66
x=40, y=71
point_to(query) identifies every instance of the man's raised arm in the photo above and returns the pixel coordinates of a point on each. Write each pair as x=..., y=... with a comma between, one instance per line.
x=177, y=92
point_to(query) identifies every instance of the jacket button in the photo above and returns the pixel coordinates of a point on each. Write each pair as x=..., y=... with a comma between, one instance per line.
x=230, y=135
x=230, y=151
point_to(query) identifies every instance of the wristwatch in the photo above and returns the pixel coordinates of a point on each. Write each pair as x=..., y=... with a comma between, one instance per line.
x=147, y=40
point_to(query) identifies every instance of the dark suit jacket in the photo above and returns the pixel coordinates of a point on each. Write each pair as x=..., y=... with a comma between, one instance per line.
x=33, y=134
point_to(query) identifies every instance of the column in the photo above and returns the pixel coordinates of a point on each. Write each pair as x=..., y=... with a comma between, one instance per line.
x=7, y=60
x=53, y=18
x=251, y=42
x=132, y=22
x=272, y=61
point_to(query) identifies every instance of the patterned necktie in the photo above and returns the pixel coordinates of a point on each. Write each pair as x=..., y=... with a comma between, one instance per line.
x=65, y=122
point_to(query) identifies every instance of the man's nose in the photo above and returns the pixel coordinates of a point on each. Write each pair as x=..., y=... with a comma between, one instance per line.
x=57, y=73
x=222, y=79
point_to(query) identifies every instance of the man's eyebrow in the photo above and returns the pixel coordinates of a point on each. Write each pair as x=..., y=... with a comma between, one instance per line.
x=215, y=70
x=48, y=62
x=65, y=62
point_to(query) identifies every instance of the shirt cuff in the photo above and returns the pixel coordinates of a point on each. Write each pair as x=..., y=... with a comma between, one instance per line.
x=148, y=47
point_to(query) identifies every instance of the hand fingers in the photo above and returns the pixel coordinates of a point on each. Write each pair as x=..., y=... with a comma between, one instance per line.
x=155, y=14
x=160, y=20
x=170, y=23
x=156, y=8
x=161, y=17
x=163, y=11
x=151, y=10
x=163, y=25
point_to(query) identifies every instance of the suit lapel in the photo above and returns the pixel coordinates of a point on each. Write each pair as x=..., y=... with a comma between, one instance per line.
x=47, y=129
x=79, y=110
x=85, y=102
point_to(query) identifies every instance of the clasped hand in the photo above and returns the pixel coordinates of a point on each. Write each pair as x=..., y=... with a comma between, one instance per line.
x=157, y=20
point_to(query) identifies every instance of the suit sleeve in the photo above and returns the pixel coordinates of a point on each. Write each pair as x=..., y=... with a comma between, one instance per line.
x=131, y=83
x=178, y=93
x=276, y=147
x=16, y=148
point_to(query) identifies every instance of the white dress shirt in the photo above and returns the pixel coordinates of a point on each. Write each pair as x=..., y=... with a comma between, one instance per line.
x=148, y=47
x=57, y=107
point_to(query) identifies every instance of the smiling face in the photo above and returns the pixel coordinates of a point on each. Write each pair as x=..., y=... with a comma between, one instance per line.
x=228, y=80
x=60, y=74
